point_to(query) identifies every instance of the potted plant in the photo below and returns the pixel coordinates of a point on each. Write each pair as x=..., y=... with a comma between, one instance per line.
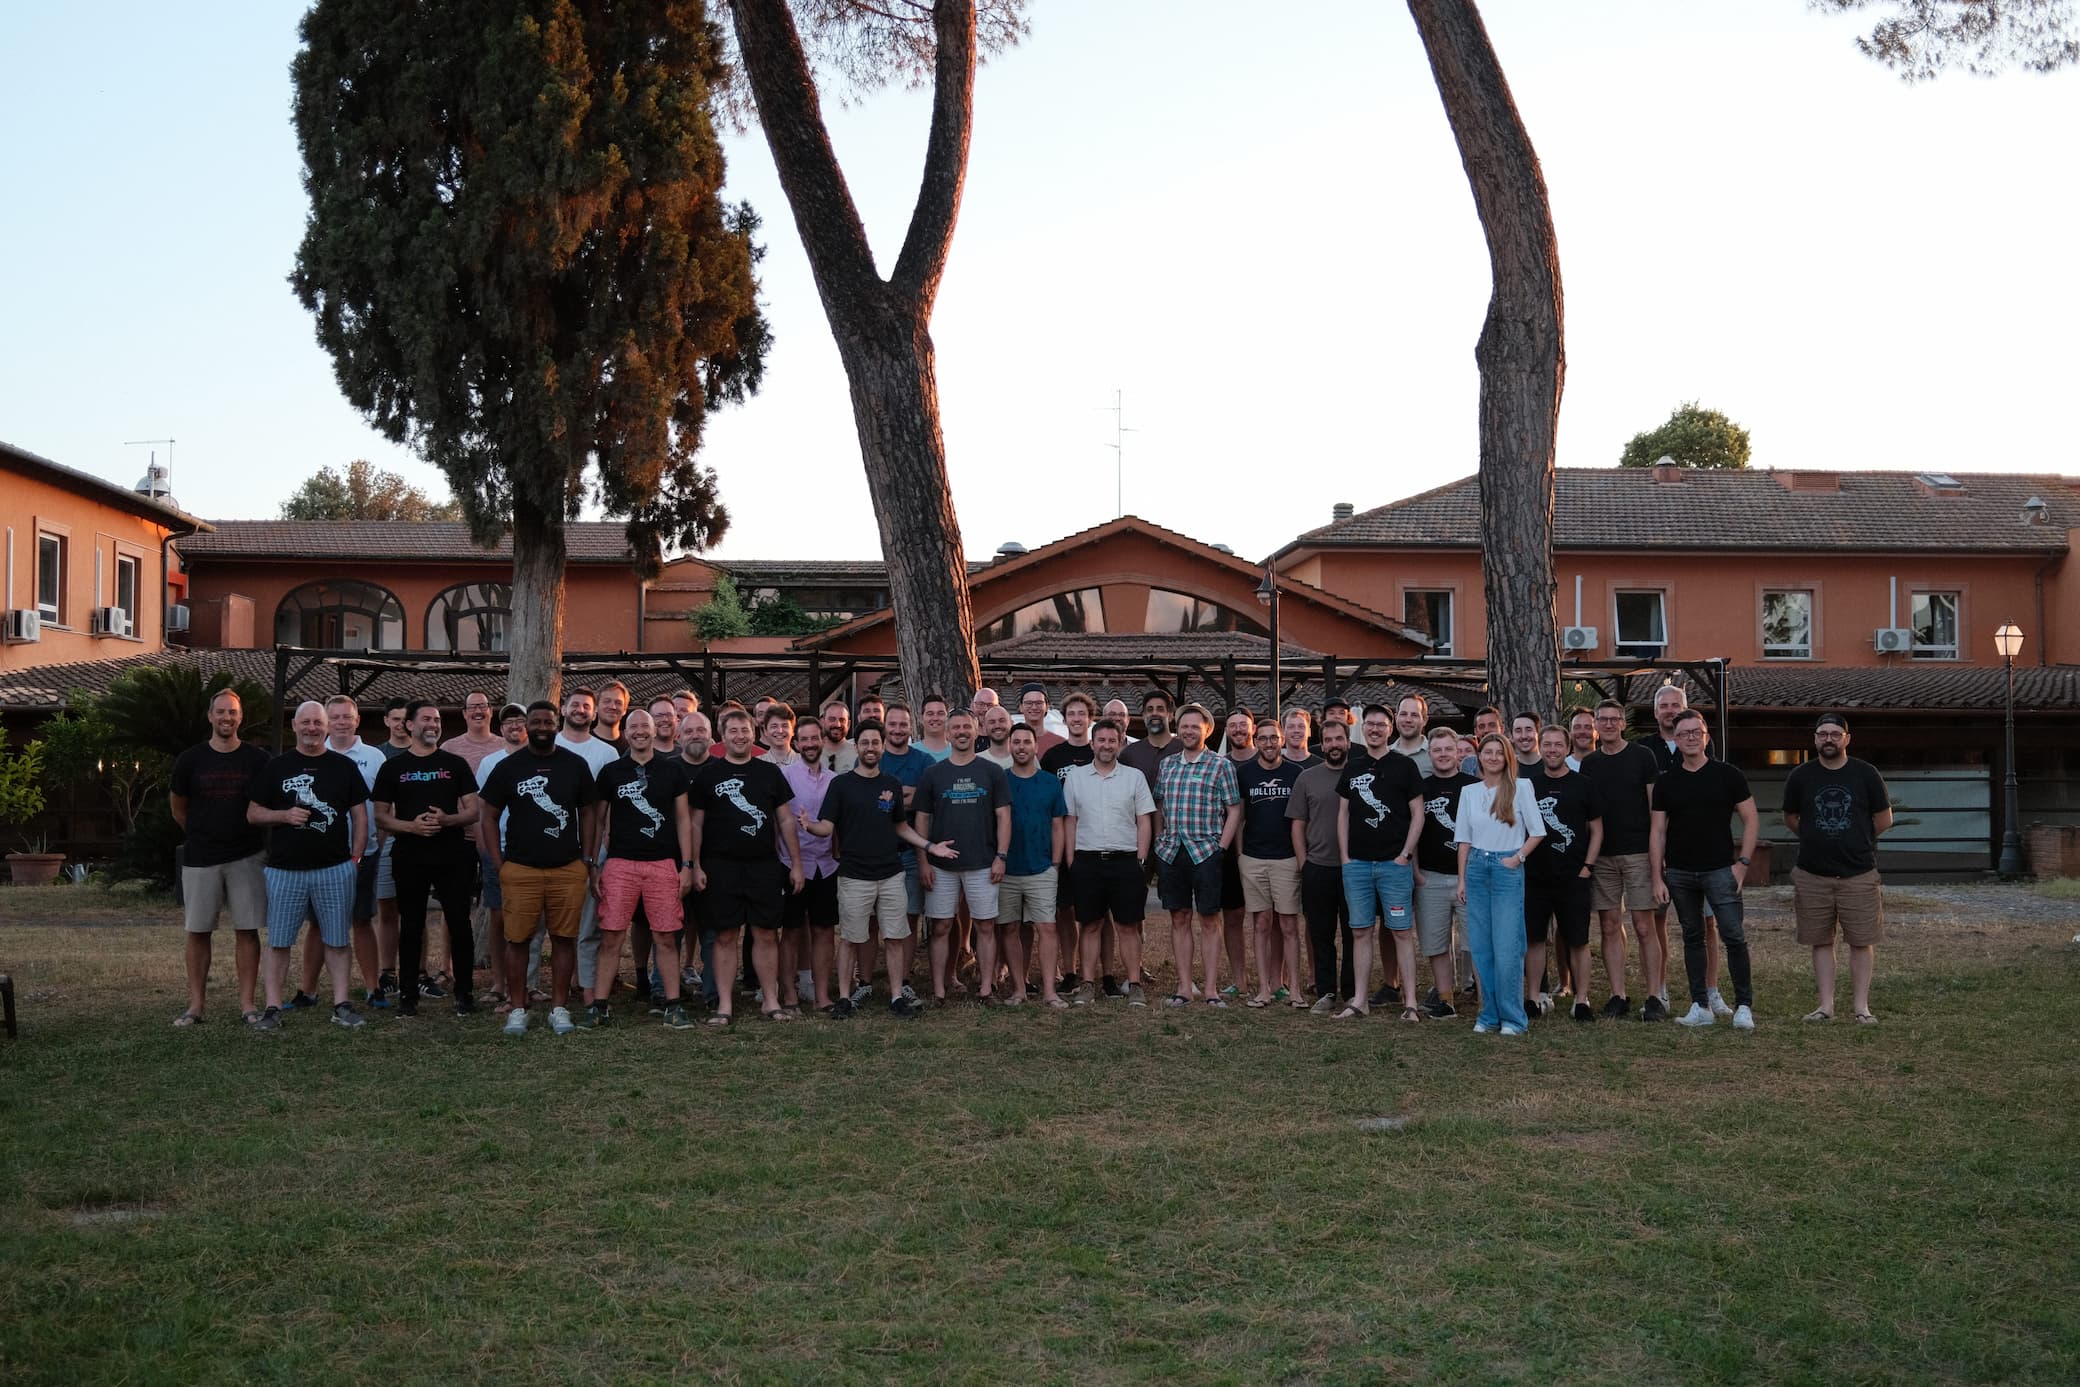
x=21, y=801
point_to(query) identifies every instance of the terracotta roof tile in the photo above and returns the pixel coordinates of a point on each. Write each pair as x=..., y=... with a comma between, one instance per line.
x=588, y=541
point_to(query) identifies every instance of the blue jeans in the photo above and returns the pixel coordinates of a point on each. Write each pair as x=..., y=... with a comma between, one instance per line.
x=1495, y=930
x=1375, y=890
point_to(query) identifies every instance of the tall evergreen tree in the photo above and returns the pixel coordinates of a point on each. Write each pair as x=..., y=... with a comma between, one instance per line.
x=519, y=258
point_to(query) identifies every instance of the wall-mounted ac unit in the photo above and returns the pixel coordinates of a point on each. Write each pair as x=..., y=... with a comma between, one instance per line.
x=111, y=621
x=25, y=625
x=1578, y=638
x=176, y=618
x=1893, y=640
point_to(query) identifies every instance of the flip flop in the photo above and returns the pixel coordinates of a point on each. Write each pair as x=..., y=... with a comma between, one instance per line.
x=1349, y=1013
x=1256, y=1003
x=187, y=1019
x=720, y=1019
x=1411, y=1014
x=1299, y=1004
x=249, y=1017
x=778, y=1014
x=1864, y=1018
x=1054, y=1003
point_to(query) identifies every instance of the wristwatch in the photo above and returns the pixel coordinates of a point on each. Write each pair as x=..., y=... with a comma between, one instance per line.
x=1744, y=861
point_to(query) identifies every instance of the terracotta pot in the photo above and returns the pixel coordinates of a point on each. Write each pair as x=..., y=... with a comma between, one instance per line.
x=35, y=868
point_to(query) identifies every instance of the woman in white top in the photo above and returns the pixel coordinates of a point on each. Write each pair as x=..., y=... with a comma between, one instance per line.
x=1498, y=826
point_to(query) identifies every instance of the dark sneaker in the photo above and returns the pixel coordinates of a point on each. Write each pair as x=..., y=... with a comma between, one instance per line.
x=302, y=1001
x=407, y=1008
x=1135, y=996
x=345, y=1015
x=465, y=1004
x=675, y=1017
x=270, y=1020
x=387, y=980
x=1438, y=1009
x=378, y=998
x=1617, y=1006
x=904, y=1006
x=1067, y=984
x=654, y=1004
x=1654, y=1010
x=842, y=1009
x=429, y=988
x=1584, y=1012
x=1388, y=996
x=1533, y=1007
x=1113, y=987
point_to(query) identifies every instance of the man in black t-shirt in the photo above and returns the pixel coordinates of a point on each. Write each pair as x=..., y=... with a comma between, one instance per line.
x=649, y=860
x=1693, y=862
x=1377, y=827
x=741, y=813
x=222, y=857
x=426, y=800
x=1437, y=868
x=311, y=801
x=1269, y=870
x=1622, y=776
x=1838, y=807
x=1557, y=877
x=546, y=863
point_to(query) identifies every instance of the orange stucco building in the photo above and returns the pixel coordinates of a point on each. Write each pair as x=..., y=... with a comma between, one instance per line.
x=88, y=575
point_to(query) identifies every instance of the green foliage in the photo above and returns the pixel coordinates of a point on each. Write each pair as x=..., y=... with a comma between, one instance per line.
x=21, y=790
x=363, y=492
x=783, y=616
x=165, y=708
x=518, y=257
x=1923, y=38
x=722, y=616
x=1692, y=436
x=82, y=746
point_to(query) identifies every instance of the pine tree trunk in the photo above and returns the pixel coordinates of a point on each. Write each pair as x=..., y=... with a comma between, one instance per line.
x=535, y=637
x=1520, y=354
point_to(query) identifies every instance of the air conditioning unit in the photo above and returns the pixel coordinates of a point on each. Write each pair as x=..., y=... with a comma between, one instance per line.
x=111, y=621
x=1893, y=640
x=176, y=618
x=25, y=625
x=1578, y=638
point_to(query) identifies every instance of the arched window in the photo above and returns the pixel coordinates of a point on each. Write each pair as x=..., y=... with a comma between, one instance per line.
x=470, y=617
x=1081, y=610
x=341, y=614
x=1180, y=611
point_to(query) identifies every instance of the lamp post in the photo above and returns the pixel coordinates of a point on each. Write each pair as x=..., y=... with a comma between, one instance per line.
x=2008, y=640
x=1267, y=596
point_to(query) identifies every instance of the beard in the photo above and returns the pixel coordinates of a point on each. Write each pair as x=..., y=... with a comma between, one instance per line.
x=541, y=742
x=1157, y=724
x=1336, y=756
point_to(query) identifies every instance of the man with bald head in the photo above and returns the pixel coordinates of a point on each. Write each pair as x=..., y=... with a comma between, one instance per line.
x=313, y=803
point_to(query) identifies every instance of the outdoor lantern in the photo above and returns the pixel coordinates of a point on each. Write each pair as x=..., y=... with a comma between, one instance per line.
x=2008, y=640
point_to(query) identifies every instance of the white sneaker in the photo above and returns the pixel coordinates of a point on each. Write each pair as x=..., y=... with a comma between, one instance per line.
x=1481, y=1028
x=805, y=985
x=516, y=1021
x=560, y=1021
x=1743, y=1019
x=1698, y=1015
x=1716, y=1000
x=1508, y=1029
x=1545, y=1003
x=862, y=994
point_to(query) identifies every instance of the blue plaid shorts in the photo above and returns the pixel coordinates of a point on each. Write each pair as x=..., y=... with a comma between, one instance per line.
x=325, y=894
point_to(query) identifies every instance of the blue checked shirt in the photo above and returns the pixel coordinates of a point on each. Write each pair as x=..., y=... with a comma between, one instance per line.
x=1195, y=794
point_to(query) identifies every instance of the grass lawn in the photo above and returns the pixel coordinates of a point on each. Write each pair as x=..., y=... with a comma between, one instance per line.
x=1103, y=1195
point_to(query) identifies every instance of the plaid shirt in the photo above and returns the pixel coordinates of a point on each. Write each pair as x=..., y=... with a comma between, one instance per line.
x=1195, y=794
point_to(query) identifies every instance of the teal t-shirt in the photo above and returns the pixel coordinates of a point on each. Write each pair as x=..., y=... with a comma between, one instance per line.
x=1036, y=802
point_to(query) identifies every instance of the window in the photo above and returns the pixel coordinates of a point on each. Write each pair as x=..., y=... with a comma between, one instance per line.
x=1933, y=619
x=1642, y=628
x=1180, y=611
x=1081, y=610
x=50, y=578
x=1430, y=610
x=470, y=617
x=1787, y=625
x=343, y=615
x=126, y=591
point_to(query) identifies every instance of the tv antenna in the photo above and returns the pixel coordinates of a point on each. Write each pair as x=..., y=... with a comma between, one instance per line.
x=1119, y=451
x=153, y=442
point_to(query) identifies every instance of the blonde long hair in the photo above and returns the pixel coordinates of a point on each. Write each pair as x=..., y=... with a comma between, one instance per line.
x=1504, y=803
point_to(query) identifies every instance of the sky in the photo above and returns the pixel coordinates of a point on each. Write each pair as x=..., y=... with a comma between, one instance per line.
x=1256, y=232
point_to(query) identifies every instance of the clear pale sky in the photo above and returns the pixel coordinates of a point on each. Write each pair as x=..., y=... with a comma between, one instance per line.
x=1258, y=229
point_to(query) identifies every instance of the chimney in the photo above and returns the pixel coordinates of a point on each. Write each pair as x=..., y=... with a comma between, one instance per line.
x=2035, y=512
x=1667, y=469
x=1009, y=549
x=1342, y=510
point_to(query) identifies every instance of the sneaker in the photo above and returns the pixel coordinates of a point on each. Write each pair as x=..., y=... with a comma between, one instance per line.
x=1324, y=1005
x=1656, y=1009
x=1387, y=996
x=1617, y=1006
x=1113, y=987
x=1508, y=1029
x=655, y=1004
x=804, y=984
x=1135, y=996
x=1714, y=999
x=465, y=1004
x=407, y=1008
x=560, y=1021
x=1584, y=1012
x=1438, y=1009
x=905, y=1006
x=387, y=980
x=1743, y=1019
x=1482, y=1028
x=302, y=1001
x=516, y=1021
x=270, y=1020
x=689, y=981
x=1533, y=1007
x=862, y=994
x=1698, y=1015
x=909, y=994
x=1545, y=1001
x=1069, y=983
x=429, y=988
x=605, y=1013
x=345, y=1015
x=1663, y=994
x=1231, y=990
x=675, y=1017
x=1083, y=996
x=841, y=1010
x=378, y=997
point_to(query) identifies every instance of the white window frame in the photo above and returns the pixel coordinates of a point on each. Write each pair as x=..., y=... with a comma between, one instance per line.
x=1788, y=652
x=1619, y=645
x=51, y=612
x=1931, y=650
x=129, y=609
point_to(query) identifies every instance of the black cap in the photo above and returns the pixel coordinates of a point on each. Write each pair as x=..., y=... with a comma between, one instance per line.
x=1825, y=718
x=512, y=710
x=1031, y=686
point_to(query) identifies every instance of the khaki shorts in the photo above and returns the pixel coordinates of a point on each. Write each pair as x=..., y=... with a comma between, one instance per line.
x=1623, y=882
x=1029, y=899
x=1270, y=883
x=1821, y=903
x=859, y=902
x=560, y=892
x=241, y=885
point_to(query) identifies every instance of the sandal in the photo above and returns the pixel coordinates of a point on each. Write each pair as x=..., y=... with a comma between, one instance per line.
x=1349, y=1012
x=187, y=1019
x=1820, y=1014
x=1411, y=1014
x=720, y=1018
x=1054, y=1003
x=1298, y=1003
x=1257, y=1003
x=1864, y=1018
x=778, y=1014
x=251, y=1018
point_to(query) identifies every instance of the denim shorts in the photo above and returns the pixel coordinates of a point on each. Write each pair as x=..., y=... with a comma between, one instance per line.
x=1376, y=890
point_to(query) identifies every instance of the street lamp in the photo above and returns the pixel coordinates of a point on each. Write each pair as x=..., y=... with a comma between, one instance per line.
x=1267, y=596
x=2008, y=640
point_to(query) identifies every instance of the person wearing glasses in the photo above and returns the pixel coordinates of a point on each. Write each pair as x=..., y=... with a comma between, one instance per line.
x=1693, y=861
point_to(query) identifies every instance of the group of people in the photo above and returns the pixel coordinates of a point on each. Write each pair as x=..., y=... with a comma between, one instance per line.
x=1018, y=848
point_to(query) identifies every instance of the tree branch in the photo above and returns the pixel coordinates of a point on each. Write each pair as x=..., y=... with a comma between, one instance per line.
x=925, y=247
x=784, y=92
